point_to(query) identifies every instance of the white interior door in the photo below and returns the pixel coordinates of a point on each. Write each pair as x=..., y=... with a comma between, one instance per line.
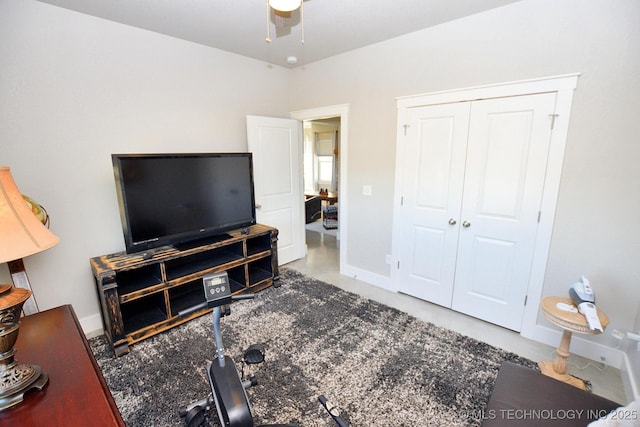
x=433, y=164
x=276, y=145
x=471, y=192
x=504, y=180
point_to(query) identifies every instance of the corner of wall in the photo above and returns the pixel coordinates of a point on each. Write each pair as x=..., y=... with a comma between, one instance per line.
x=92, y=325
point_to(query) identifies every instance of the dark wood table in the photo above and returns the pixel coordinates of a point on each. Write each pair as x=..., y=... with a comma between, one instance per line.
x=77, y=394
x=330, y=197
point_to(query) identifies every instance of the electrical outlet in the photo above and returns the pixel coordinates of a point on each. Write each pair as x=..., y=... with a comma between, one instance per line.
x=617, y=334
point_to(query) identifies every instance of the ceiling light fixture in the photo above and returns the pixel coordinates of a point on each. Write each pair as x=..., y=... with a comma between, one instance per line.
x=285, y=5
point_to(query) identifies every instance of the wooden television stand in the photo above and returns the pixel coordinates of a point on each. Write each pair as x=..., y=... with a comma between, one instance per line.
x=141, y=293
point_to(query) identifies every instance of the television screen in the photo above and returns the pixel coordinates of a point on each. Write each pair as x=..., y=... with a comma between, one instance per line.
x=170, y=199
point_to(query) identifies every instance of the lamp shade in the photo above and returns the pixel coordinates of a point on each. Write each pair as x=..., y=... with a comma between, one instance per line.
x=285, y=5
x=21, y=233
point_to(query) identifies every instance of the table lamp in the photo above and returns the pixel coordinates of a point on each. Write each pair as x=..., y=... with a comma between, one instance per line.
x=21, y=235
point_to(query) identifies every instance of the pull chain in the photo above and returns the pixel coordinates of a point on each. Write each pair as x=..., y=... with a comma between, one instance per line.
x=268, y=38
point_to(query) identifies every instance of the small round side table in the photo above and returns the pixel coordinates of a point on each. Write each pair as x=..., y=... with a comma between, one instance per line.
x=570, y=321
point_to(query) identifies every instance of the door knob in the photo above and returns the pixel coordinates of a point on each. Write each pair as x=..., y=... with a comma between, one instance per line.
x=258, y=205
x=466, y=224
x=452, y=221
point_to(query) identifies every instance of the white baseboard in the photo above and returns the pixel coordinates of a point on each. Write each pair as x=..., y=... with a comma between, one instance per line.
x=92, y=325
x=631, y=386
x=579, y=346
x=378, y=280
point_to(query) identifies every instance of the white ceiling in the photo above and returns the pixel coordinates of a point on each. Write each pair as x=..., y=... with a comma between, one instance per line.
x=331, y=27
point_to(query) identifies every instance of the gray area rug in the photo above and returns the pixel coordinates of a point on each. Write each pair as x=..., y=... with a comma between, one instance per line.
x=382, y=367
x=319, y=228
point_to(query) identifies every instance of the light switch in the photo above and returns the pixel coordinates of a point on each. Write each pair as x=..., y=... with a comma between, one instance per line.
x=366, y=190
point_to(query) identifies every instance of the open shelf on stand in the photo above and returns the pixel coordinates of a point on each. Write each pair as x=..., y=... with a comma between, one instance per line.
x=140, y=296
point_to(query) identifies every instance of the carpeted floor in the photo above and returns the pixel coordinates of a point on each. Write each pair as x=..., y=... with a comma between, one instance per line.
x=382, y=367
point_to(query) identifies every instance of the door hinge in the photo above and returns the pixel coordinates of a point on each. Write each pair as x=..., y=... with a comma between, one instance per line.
x=401, y=200
x=398, y=267
x=539, y=215
x=525, y=300
x=553, y=118
x=405, y=129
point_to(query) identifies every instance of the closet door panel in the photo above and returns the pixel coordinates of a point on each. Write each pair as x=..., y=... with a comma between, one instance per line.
x=501, y=165
x=432, y=189
x=492, y=265
x=506, y=163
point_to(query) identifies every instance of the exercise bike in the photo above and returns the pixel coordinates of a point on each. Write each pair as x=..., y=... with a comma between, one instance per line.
x=228, y=390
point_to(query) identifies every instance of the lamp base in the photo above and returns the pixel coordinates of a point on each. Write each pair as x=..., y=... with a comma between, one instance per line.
x=16, y=381
x=15, y=378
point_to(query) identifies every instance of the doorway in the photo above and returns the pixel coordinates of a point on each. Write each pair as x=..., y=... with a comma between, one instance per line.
x=321, y=174
x=331, y=124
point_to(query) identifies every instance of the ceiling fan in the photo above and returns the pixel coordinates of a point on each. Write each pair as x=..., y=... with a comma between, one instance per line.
x=282, y=11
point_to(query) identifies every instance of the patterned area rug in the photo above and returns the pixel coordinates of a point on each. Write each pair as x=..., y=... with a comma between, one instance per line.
x=380, y=366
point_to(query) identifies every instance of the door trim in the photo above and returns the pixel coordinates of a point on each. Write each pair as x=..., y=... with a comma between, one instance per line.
x=341, y=111
x=566, y=82
x=563, y=86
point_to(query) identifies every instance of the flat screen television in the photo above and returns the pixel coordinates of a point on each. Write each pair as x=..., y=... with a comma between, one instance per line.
x=176, y=199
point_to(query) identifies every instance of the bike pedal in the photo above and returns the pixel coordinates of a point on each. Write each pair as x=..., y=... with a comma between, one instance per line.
x=195, y=416
x=254, y=354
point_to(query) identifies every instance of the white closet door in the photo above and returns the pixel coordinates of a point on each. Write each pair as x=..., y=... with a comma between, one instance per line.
x=472, y=182
x=433, y=162
x=504, y=180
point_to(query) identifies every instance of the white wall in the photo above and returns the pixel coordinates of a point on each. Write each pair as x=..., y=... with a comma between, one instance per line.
x=74, y=89
x=596, y=230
